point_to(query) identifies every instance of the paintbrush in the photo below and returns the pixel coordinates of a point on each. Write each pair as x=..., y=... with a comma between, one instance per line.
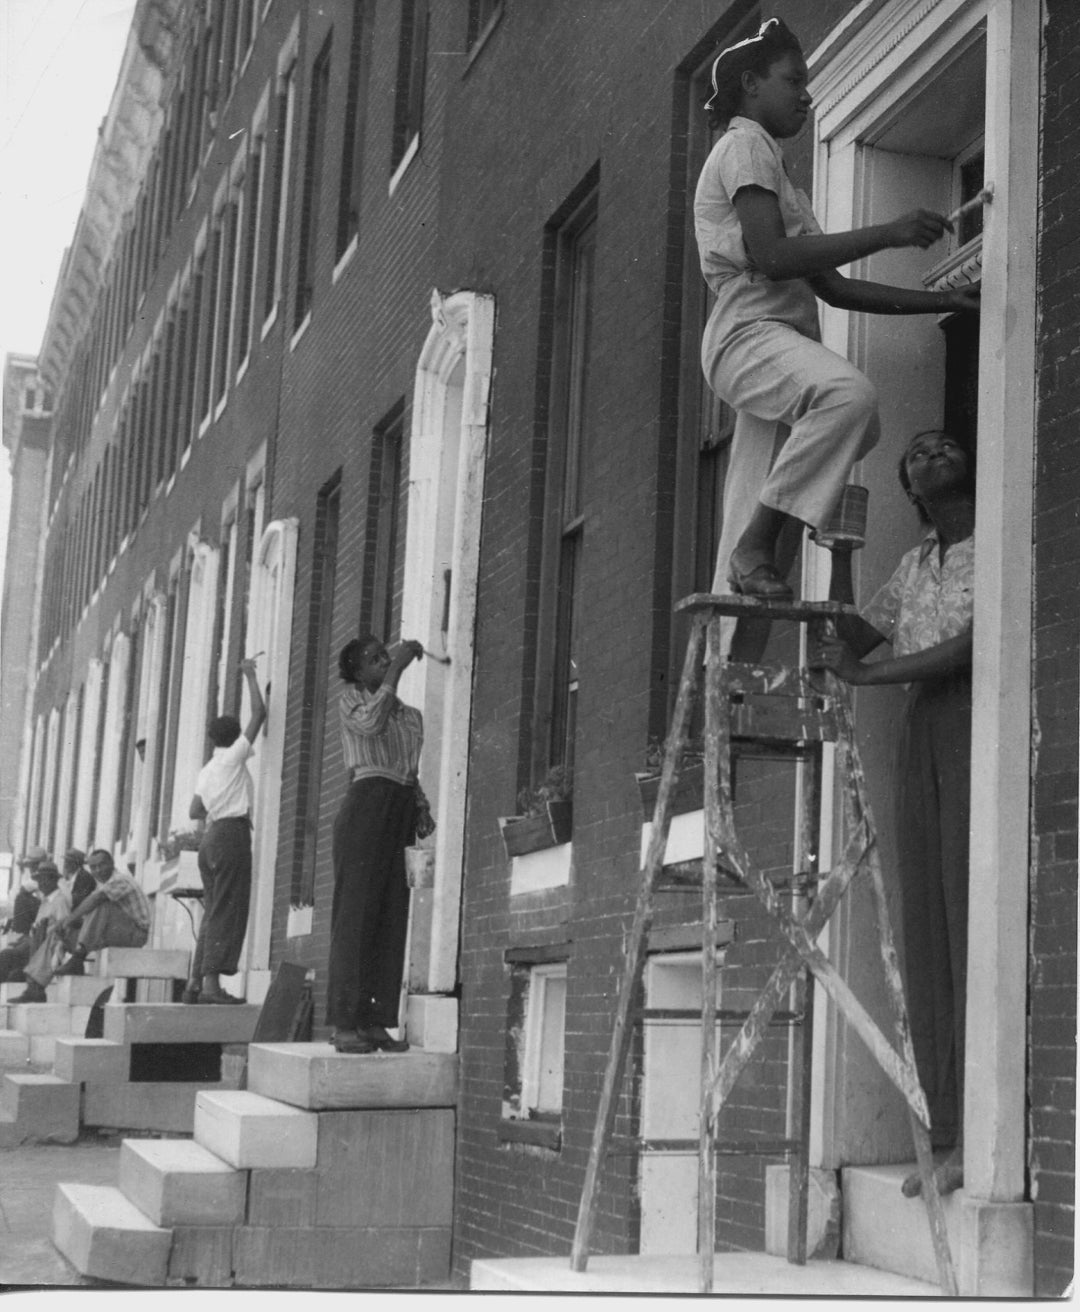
x=983, y=198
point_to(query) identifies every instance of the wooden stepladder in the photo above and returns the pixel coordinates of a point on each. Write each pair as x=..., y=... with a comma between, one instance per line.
x=777, y=712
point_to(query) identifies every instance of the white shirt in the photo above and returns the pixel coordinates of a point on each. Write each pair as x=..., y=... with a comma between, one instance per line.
x=224, y=783
x=55, y=907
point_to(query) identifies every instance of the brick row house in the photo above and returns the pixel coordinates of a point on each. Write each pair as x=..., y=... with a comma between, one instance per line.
x=386, y=315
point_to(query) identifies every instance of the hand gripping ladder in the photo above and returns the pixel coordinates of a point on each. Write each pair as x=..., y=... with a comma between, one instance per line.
x=783, y=712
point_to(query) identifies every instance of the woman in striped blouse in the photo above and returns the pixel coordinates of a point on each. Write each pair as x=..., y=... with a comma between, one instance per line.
x=378, y=819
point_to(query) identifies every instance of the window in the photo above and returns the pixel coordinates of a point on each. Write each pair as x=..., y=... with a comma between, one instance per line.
x=222, y=696
x=352, y=149
x=313, y=157
x=320, y=690
x=535, y=1046
x=233, y=219
x=412, y=66
x=384, y=553
x=211, y=323
x=285, y=112
x=573, y=245
x=253, y=202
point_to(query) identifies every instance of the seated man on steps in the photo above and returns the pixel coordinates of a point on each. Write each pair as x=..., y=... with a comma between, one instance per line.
x=115, y=915
x=55, y=905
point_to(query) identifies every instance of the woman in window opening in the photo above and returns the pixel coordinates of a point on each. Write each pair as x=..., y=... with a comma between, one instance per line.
x=804, y=413
x=383, y=809
x=925, y=612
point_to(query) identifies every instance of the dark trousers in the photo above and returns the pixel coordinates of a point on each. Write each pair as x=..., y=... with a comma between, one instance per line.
x=370, y=913
x=14, y=958
x=933, y=820
x=225, y=868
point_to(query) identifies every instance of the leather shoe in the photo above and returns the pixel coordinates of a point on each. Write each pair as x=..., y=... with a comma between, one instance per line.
x=33, y=993
x=377, y=1035
x=761, y=581
x=190, y=995
x=73, y=966
x=352, y=1044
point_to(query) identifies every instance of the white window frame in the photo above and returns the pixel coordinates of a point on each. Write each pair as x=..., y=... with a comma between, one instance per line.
x=546, y=981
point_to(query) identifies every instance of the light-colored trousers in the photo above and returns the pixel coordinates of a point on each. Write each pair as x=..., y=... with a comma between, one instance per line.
x=107, y=926
x=804, y=416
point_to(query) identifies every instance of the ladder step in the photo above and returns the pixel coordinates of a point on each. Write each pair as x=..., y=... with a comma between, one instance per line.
x=724, y=1015
x=681, y=876
x=722, y=1147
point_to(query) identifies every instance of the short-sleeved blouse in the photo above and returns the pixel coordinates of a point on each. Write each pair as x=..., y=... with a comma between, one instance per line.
x=927, y=599
x=747, y=156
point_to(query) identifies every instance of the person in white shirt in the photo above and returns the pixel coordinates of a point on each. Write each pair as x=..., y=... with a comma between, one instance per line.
x=55, y=906
x=223, y=797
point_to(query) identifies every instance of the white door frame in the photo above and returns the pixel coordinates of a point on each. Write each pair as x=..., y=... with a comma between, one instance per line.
x=462, y=330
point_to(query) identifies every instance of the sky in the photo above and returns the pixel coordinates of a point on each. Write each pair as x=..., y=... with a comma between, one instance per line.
x=59, y=61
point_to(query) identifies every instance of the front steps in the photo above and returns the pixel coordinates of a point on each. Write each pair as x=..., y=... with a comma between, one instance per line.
x=323, y=1186
x=37, y=1108
x=991, y=1243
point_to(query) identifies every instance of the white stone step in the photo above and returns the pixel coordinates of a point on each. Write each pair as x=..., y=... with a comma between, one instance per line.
x=91, y=1061
x=168, y=1107
x=37, y=1108
x=47, y=1018
x=78, y=990
x=176, y=1022
x=992, y=1243
x=103, y=1234
x=143, y=963
x=313, y=1075
x=14, y=1048
x=179, y=1182
x=884, y=1229
x=247, y=1130
x=43, y=1050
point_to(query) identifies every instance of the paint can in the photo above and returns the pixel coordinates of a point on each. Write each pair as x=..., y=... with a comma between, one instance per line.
x=847, y=523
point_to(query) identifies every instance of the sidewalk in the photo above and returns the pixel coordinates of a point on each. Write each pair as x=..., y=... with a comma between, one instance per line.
x=28, y=1180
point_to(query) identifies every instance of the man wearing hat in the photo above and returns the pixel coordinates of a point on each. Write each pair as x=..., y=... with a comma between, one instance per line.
x=26, y=903
x=78, y=880
x=54, y=907
x=116, y=914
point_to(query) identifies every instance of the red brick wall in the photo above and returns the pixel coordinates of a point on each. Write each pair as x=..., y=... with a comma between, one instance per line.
x=1052, y=934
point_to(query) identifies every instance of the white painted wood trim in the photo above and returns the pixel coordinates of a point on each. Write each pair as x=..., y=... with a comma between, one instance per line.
x=269, y=631
x=67, y=773
x=84, y=773
x=104, y=835
x=552, y=867
x=1001, y=712
x=462, y=329
x=195, y=681
x=148, y=726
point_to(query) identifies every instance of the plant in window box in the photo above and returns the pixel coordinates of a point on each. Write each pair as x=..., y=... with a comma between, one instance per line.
x=689, y=791
x=546, y=816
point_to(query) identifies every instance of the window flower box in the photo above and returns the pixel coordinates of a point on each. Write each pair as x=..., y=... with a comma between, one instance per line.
x=688, y=794
x=532, y=833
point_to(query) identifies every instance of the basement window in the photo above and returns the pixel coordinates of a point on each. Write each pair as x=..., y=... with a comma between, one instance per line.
x=535, y=1050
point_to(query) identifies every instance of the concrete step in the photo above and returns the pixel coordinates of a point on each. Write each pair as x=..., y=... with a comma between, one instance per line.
x=178, y=1182
x=883, y=1229
x=248, y=1130
x=43, y=1050
x=143, y=963
x=313, y=1075
x=37, y=1108
x=103, y=1234
x=175, y=1022
x=78, y=990
x=48, y=1018
x=168, y=1108
x=91, y=1061
x=14, y=1048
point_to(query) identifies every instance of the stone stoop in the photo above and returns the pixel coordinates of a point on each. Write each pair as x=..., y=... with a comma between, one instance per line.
x=91, y=1061
x=248, y=1130
x=37, y=1108
x=270, y=1194
x=143, y=963
x=176, y=1022
x=103, y=1234
x=991, y=1243
x=78, y=990
x=14, y=1048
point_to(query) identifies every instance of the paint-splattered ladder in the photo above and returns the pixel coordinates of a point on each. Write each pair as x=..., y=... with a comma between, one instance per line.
x=778, y=712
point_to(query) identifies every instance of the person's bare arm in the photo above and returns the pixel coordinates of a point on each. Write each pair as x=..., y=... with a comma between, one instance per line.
x=780, y=257
x=258, y=706
x=853, y=631
x=944, y=658
x=197, y=810
x=881, y=298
